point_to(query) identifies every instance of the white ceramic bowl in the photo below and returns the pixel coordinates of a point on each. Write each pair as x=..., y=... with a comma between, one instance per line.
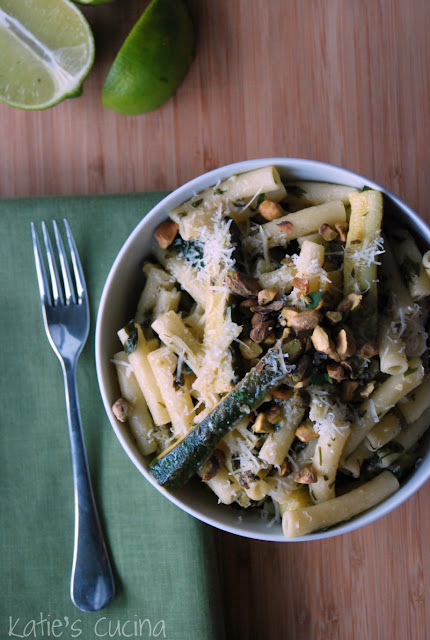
x=118, y=303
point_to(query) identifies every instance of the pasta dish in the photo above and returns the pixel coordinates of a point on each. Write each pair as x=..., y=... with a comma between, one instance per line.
x=279, y=351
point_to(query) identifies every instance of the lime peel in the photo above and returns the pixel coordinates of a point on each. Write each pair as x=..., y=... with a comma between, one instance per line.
x=153, y=59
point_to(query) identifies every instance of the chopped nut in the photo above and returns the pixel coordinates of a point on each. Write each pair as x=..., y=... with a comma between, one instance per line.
x=261, y=331
x=282, y=394
x=267, y=295
x=305, y=475
x=367, y=391
x=257, y=319
x=272, y=307
x=345, y=344
x=285, y=226
x=166, y=233
x=323, y=343
x=333, y=316
x=303, y=369
x=122, y=409
x=248, y=302
x=305, y=432
x=262, y=424
x=336, y=371
x=369, y=349
x=348, y=389
x=250, y=349
x=274, y=414
x=302, y=284
x=270, y=210
x=327, y=232
x=302, y=384
x=302, y=320
x=355, y=299
x=342, y=230
x=349, y=303
x=213, y=465
x=242, y=285
x=344, y=306
x=285, y=469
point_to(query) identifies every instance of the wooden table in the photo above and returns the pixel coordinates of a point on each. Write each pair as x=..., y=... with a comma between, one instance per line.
x=341, y=81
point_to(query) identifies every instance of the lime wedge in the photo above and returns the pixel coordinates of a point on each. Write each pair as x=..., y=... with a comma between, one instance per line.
x=153, y=59
x=47, y=51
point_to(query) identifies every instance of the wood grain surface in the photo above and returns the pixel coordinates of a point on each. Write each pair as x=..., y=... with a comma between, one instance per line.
x=343, y=81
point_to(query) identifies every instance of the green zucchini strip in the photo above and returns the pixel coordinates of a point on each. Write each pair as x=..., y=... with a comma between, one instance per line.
x=174, y=467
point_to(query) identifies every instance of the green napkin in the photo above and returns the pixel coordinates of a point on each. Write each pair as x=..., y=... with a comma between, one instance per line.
x=163, y=559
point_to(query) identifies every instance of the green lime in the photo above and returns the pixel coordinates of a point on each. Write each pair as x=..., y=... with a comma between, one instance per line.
x=47, y=51
x=153, y=59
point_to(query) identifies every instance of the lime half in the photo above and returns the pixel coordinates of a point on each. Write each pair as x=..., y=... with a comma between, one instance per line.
x=47, y=51
x=153, y=60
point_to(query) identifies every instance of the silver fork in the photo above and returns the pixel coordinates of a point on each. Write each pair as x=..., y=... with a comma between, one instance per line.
x=66, y=319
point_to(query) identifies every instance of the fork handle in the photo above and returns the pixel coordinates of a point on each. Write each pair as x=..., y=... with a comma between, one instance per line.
x=92, y=586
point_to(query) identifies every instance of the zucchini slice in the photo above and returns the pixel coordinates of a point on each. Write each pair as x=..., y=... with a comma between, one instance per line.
x=175, y=466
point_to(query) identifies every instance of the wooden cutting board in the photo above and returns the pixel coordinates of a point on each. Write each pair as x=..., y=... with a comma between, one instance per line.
x=341, y=81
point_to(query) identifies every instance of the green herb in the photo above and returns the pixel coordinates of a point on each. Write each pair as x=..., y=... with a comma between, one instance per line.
x=260, y=199
x=366, y=188
x=409, y=371
x=331, y=485
x=325, y=477
x=197, y=203
x=190, y=250
x=131, y=343
x=320, y=378
x=295, y=190
x=320, y=455
x=315, y=297
x=219, y=192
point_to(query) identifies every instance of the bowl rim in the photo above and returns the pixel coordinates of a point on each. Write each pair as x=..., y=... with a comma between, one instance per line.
x=344, y=176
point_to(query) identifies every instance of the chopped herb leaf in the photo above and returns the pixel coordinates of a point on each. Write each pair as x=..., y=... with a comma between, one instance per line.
x=315, y=297
x=320, y=454
x=260, y=199
x=190, y=250
x=295, y=190
x=131, y=343
x=219, y=192
x=409, y=371
x=366, y=188
x=320, y=378
x=325, y=477
x=197, y=203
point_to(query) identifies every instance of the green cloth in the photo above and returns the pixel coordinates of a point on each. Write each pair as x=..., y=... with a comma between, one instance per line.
x=163, y=559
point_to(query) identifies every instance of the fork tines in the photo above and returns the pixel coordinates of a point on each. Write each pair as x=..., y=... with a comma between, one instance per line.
x=64, y=290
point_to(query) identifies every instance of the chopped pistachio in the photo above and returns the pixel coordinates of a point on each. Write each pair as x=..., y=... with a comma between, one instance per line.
x=270, y=210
